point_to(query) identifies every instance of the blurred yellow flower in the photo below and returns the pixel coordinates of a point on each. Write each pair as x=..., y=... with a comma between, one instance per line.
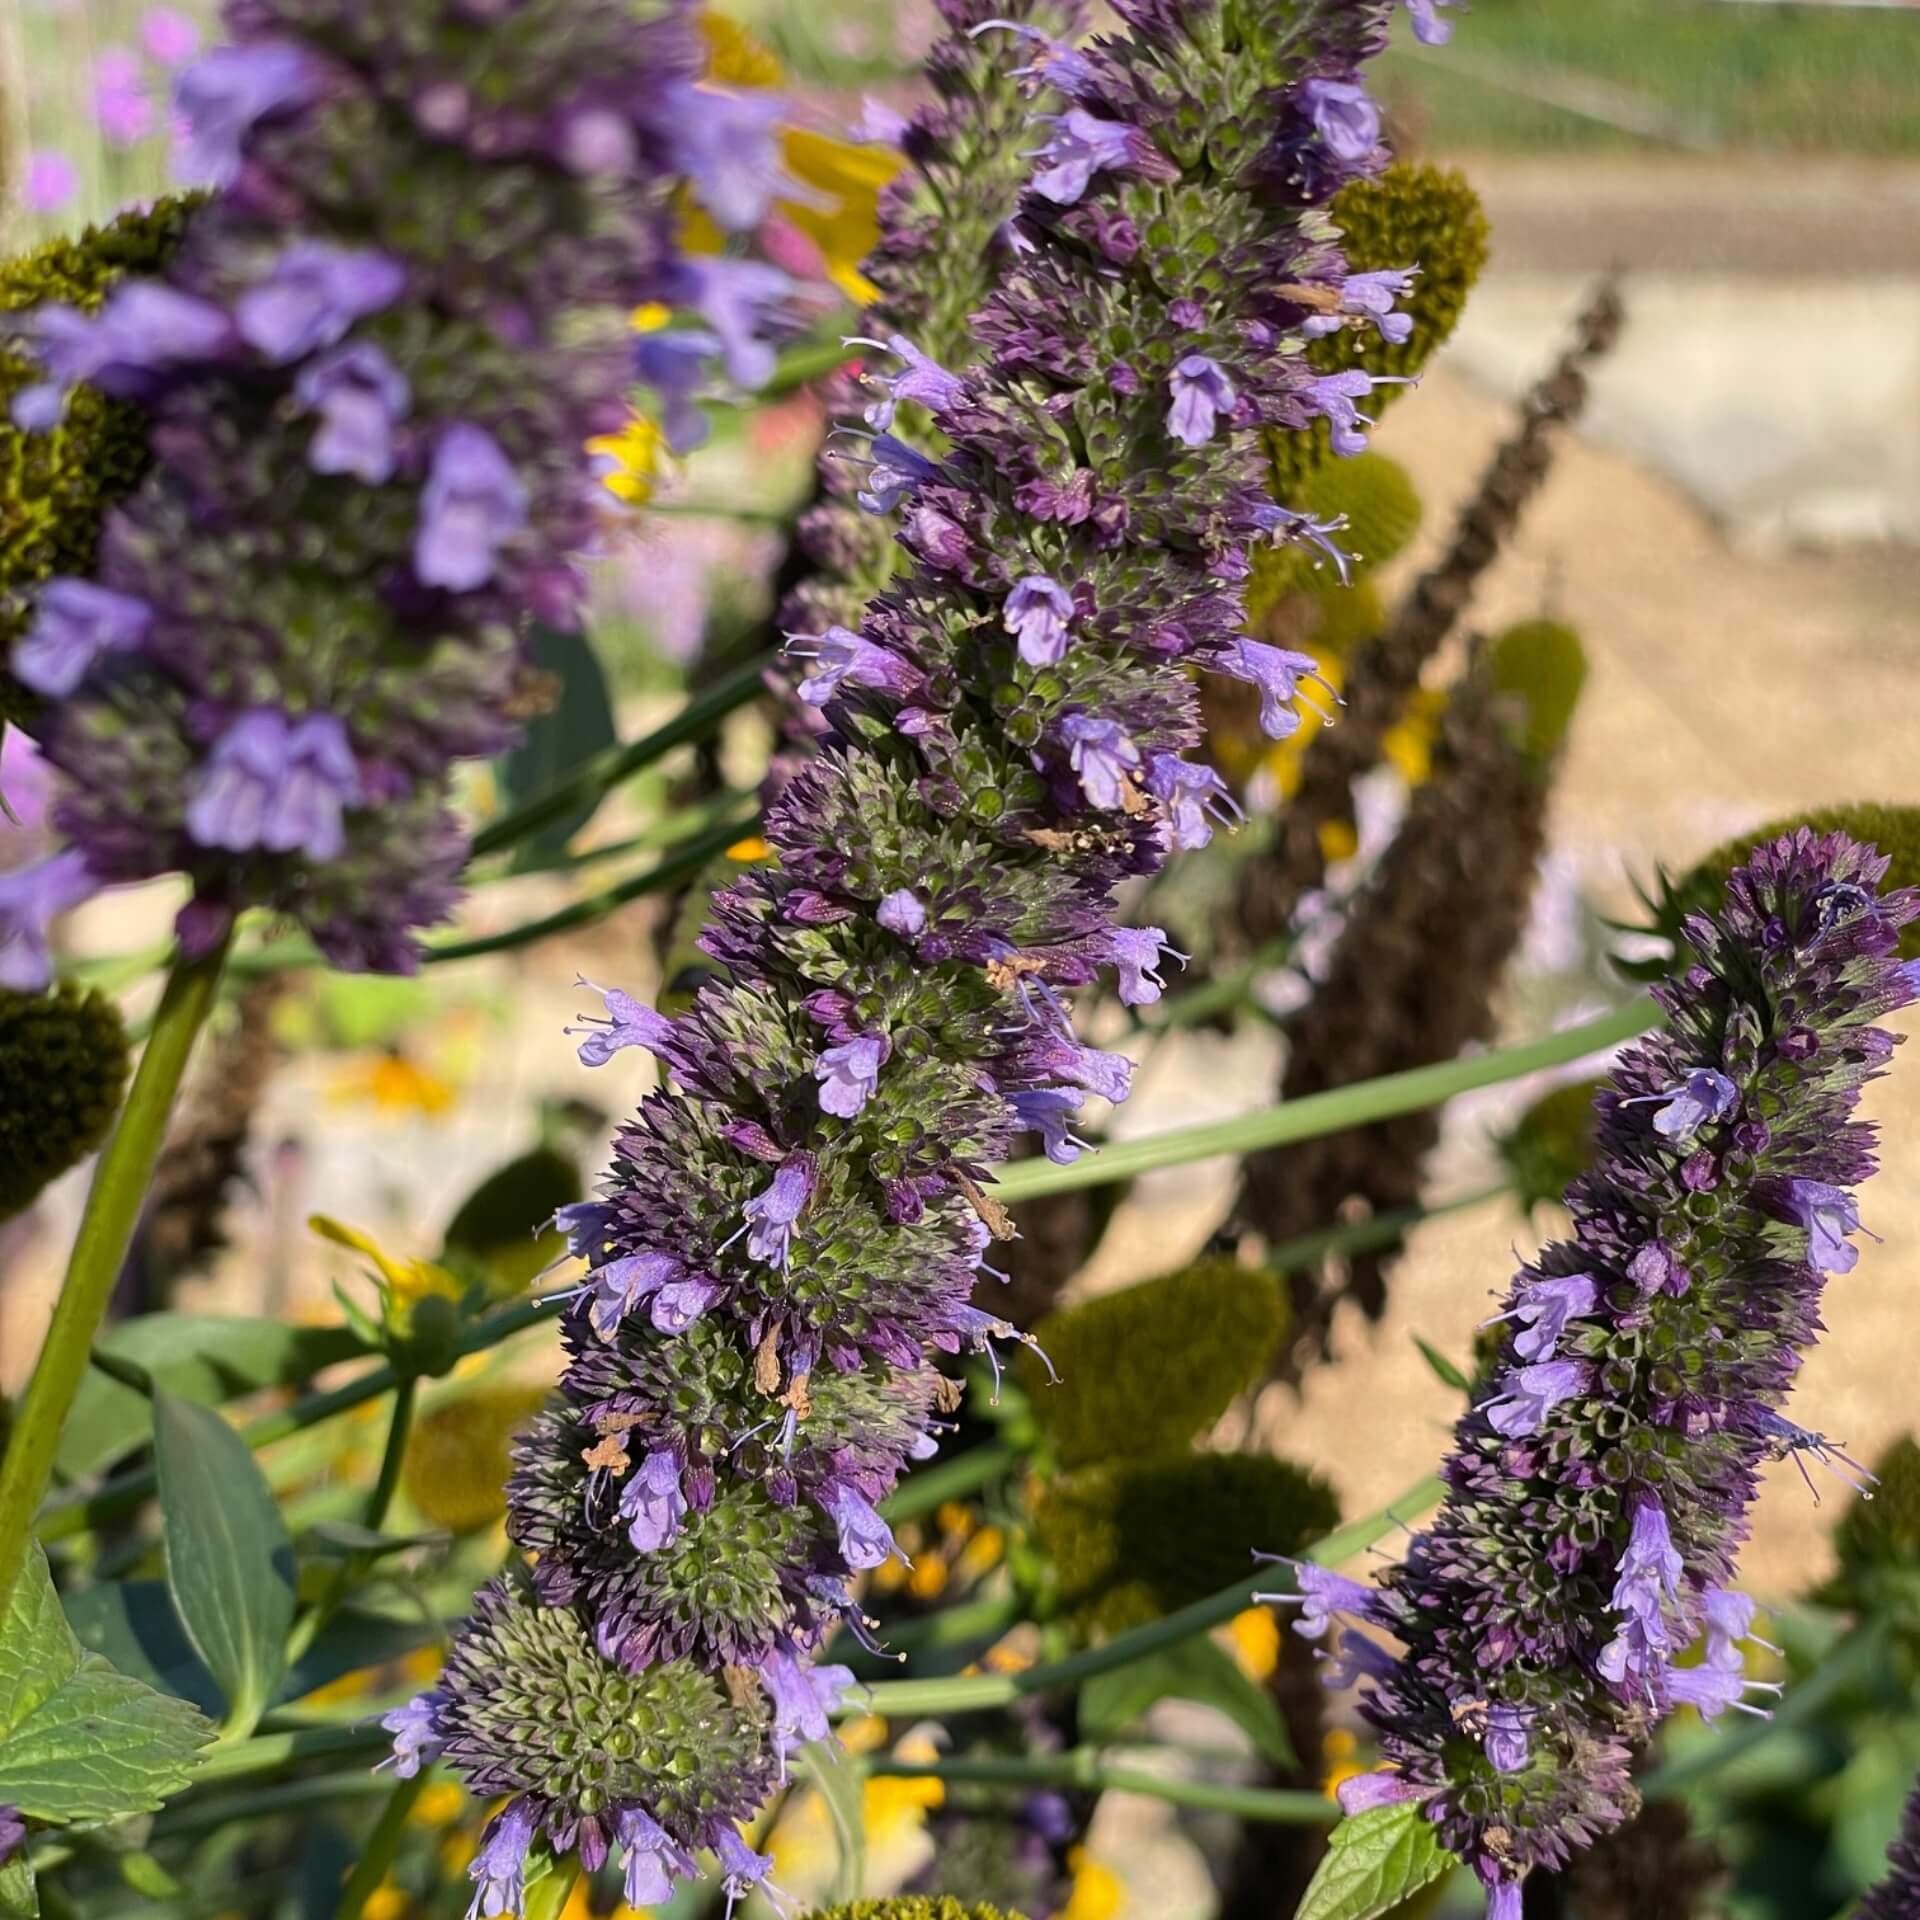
x=635, y=454
x=1338, y=1749
x=927, y=1580
x=752, y=848
x=1339, y=840
x=1097, y=1892
x=386, y=1902
x=865, y=1734
x=981, y=1554
x=440, y=1805
x=458, y=1456
x=1255, y=1639
x=734, y=57
x=394, y=1084
x=893, y=1807
x=1409, y=743
x=403, y=1283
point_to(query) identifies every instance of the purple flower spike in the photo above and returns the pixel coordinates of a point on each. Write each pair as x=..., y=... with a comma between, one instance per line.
x=417, y=1739
x=620, y=1286
x=1343, y=117
x=225, y=95
x=652, y=1504
x=1704, y=1097
x=726, y=144
x=626, y=1024
x=314, y=293
x=772, y=1214
x=1277, y=672
x=849, y=1074
x=1037, y=613
x=1529, y=1394
x=1369, y=297
x=472, y=505
x=1104, y=758
x=920, y=379
x=277, y=784
x=865, y=1539
x=1202, y=394
x=903, y=912
x=653, y=1863
x=359, y=394
x=499, y=1872
x=74, y=623
x=1194, y=796
x=1543, y=1313
x=31, y=899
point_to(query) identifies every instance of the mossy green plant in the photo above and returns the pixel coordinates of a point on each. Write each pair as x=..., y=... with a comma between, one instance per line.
x=1130, y=1542
x=63, y=1069
x=458, y=1456
x=1542, y=665
x=1413, y=214
x=56, y=487
x=1144, y=1371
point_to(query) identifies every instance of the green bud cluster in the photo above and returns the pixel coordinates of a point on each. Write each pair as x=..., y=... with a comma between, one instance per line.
x=63, y=1068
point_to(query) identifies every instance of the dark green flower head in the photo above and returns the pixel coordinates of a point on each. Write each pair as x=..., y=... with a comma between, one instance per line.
x=1411, y=215
x=1130, y=1543
x=1551, y=1144
x=63, y=1067
x=56, y=487
x=1540, y=667
x=912, y=1906
x=1144, y=1371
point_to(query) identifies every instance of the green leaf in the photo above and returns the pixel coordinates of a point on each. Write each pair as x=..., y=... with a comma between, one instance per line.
x=78, y=1741
x=502, y=1227
x=1374, y=1861
x=842, y=1783
x=559, y=742
x=200, y=1356
x=229, y=1560
x=1444, y=1370
x=1198, y=1669
x=19, y=1898
x=347, y=1540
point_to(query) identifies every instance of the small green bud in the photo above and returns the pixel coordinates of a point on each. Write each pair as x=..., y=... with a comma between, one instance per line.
x=63, y=1068
x=1145, y=1370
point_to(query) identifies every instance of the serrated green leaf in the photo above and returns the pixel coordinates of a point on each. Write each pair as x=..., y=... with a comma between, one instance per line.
x=1448, y=1374
x=1374, y=1861
x=229, y=1561
x=19, y=1897
x=79, y=1741
x=1198, y=1670
x=559, y=741
x=200, y=1356
x=842, y=1783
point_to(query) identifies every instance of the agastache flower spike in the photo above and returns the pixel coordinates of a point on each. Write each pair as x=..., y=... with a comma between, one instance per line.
x=1597, y=1498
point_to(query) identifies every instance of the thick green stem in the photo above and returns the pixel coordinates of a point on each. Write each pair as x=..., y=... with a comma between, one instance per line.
x=975, y=1693
x=382, y=1844
x=113, y=1206
x=1084, y=1768
x=1319, y=1113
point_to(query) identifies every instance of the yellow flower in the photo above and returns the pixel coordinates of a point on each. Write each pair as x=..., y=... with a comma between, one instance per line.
x=864, y=1735
x=893, y=1807
x=734, y=57
x=1339, y=840
x=635, y=456
x=1097, y=1893
x=981, y=1554
x=394, y=1084
x=403, y=1283
x=1408, y=745
x=928, y=1577
x=440, y=1805
x=386, y=1902
x=752, y=848
x=1255, y=1640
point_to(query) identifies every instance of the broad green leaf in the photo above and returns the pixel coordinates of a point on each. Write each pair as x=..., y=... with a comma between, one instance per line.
x=1374, y=1861
x=502, y=1225
x=559, y=741
x=78, y=1741
x=1444, y=1370
x=204, y=1357
x=229, y=1560
x=19, y=1898
x=842, y=1783
x=1197, y=1669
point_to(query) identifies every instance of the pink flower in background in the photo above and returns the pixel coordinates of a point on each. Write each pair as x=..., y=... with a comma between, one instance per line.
x=120, y=98
x=50, y=181
x=168, y=36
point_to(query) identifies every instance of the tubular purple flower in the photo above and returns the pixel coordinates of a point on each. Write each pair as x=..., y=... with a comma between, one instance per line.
x=499, y=1870
x=848, y=1075
x=1105, y=759
x=653, y=1505
x=1194, y=796
x=1369, y=297
x=1083, y=145
x=417, y=1740
x=1543, y=1313
x=1202, y=393
x=76, y=622
x=920, y=379
x=1137, y=952
x=734, y=296
x=1705, y=1097
x=1320, y=1594
x=1828, y=1214
x=621, y=1285
x=1343, y=117
x=771, y=1215
x=1277, y=673
x=865, y=1539
x=1037, y=612
x=225, y=94
x=726, y=144
x=903, y=912
x=1428, y=27
x=674, y=364
x=802, y=1695
x=31, y=899
x=1047, y=1111
x=843, y=656
x=1362, y=1792
x=473, y=504
x=144, y=330
x=278, y=784
x=359, y=395
x=894, y=472
x=626, y=1024
x=652, y=1862
x=312, y=295
x=1332, y=397
x=1528, y=1394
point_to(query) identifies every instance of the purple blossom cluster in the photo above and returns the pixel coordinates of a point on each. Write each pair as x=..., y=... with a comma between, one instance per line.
x=370, y=372
x=788, y=1242
x=1577, y=1585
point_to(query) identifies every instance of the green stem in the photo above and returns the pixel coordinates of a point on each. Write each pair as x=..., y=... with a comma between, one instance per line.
x=975, y=1693
x=196, y=1815
x=99, y=1249
x=1084, y=1768
x=382, y=1844
x=268, y=1752
x=952, y=1479
x=547, y=1899
x=607, y=768
x=1322, y=1113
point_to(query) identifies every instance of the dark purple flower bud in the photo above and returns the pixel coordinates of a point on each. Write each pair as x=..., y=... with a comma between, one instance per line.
x=1194, y=797
x=499, y=1871
x=1277, y=673
x=1343, y=117
x=358, y=394
x=726, y=144
x=1082, y=145
x=865, y=1539
x=1362, y=1792
x=1528, y=1394
x=1048, y=1112
x=844, y=655
x=1201, y=394
x=733, y=297
x=314, y=293
x=653, y=1863
x=473, y=503
x=1369, y=296
x=940, y=541
x=417, y=1738
x=223, y=96
x=75, y=622
x=1543, y=1313
x=1037, y=613
x=771, y=1215
x=1103, y=757
x=277, y=784
x=652, y=1504
x=920, y=379
x=849, y=1074
x=626, y=1024
x=674, y=364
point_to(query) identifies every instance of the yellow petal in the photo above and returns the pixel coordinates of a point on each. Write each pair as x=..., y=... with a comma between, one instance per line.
x=734, y=57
